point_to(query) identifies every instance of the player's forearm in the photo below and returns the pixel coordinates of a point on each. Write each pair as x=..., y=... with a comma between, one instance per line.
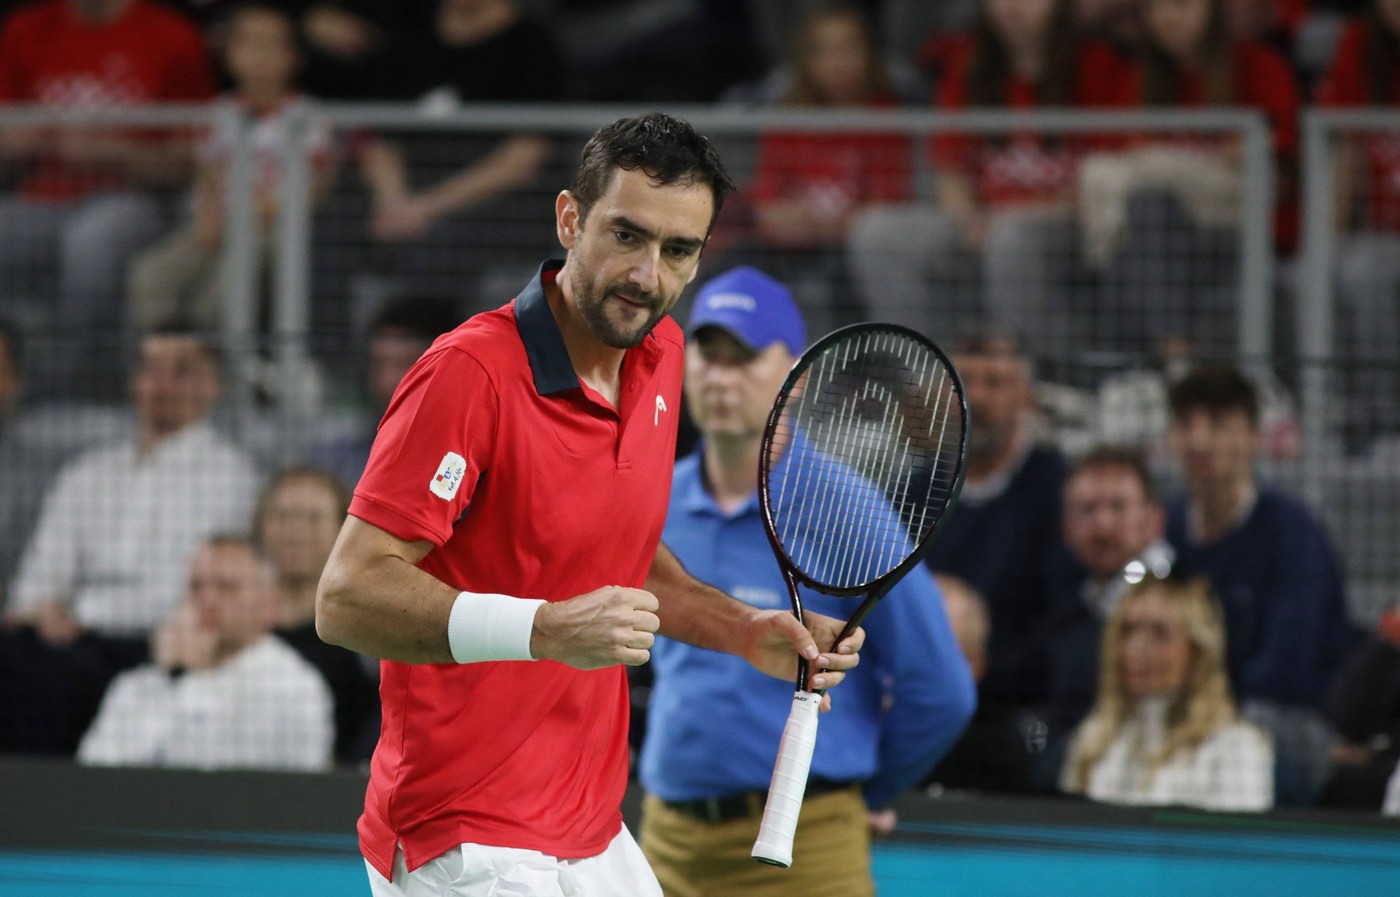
x=385, y=608
x=692, y=611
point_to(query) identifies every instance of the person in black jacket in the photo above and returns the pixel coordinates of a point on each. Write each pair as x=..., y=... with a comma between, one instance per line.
x=1364, y=706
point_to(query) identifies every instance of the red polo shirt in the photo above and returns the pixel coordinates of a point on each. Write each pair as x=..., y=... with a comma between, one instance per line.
x=148, y=54
x=1025, y=167
x=527, y=483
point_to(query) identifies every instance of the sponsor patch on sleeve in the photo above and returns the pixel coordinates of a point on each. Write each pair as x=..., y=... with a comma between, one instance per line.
x=449, y=476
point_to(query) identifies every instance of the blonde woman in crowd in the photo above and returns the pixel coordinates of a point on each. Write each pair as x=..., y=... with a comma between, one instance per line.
x=1164, y=729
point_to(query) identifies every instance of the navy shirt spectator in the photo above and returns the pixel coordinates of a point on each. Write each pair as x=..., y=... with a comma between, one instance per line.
x=1268, y=558
x=1004, y=532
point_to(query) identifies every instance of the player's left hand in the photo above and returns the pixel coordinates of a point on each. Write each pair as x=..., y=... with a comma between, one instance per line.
x=775, y=635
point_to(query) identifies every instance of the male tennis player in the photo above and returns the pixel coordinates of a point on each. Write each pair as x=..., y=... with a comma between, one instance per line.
x=707, y=776
x=503, y=554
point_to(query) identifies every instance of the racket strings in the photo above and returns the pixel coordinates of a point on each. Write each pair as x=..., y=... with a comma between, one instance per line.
x=864, y=457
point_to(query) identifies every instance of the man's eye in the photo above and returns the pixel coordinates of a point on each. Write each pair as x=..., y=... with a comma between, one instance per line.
x=624, y=236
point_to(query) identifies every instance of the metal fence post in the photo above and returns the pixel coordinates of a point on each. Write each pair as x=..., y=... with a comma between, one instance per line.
x=296, y=378
x=1315, y=312
x=240, y=267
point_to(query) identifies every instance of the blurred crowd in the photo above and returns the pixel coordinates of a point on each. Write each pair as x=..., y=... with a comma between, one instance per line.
x=1149, y=619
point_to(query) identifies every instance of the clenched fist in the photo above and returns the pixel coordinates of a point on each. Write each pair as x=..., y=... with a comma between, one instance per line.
x=605, y=627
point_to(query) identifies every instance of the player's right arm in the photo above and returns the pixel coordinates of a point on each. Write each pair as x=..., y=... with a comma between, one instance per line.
x=374, y=599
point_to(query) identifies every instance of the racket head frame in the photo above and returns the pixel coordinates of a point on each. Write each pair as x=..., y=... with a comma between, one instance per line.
x=877, y=587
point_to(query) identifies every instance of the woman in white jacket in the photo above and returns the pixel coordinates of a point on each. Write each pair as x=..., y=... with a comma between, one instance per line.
x=1164, y=728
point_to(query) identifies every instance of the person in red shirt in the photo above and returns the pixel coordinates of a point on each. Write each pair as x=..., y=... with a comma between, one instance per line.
x=808, y=185
x=82, y=210
x=503, y=555
x=1004, y=200
x=1172, y=272
x=1366, y=72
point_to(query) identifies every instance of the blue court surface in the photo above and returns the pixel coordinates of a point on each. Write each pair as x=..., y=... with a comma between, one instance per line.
x=950, y=859
x=66, y=831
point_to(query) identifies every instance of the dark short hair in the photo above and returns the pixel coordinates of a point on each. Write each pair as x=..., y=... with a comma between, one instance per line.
x=1214, y=389
x=668, y=149
x=202, y=339
x=422, y=317
x=980, y=337
x=1119, y=457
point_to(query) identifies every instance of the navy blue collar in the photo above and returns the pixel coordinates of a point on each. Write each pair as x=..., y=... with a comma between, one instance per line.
x=544, y=344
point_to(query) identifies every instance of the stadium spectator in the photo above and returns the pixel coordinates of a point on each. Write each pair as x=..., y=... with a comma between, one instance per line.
x=1113, y=528
x=401, y=332
x=1364, y=706
x=1004, y=201
x=181, y=278
x=808, y=185
x=298, y=518
x=1269, y=558
x=109, y=553
x=1164, y=728
x=1002, y=745
x=1004, y=533
x=347, y=44
x=1161, y=217
x=82, y=209
x=447, y=208
x=1366, y=72
x=221, y=692
x=903, y=706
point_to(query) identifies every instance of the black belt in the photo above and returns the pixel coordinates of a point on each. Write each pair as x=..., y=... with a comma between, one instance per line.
x=746, y=805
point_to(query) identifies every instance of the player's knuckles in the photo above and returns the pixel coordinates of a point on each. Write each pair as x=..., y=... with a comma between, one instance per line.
x=646, y=621
x=643, y=600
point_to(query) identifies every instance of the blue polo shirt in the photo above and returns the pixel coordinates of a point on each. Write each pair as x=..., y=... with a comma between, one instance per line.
x=714, y=722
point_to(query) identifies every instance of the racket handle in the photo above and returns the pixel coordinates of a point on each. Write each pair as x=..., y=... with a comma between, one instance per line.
x=774, y=844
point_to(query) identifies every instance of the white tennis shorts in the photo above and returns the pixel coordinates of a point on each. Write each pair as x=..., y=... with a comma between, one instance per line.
x=476, y=870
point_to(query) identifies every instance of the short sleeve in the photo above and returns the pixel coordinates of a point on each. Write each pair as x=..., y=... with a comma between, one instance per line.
x=434, y=443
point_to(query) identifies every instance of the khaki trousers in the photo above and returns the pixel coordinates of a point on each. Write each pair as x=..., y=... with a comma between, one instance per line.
x=831, y=853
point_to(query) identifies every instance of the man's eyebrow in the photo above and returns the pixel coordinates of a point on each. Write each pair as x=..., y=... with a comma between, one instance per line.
x=649, y=234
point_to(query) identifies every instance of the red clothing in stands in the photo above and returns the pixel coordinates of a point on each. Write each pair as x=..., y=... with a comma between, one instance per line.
x=1346, y=85
x=47, y=55
x=1262, y=80
x=835, y=171
x=1026, y=167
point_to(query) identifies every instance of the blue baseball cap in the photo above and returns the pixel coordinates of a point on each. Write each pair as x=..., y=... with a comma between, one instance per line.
x=751, y=307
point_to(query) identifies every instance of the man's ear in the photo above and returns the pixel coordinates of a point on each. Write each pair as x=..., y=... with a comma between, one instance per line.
x=567, y=220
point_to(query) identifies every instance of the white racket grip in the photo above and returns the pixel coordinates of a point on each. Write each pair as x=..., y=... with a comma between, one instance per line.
x=774, y=844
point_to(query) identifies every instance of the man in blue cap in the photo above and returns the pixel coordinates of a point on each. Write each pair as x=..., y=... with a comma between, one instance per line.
x=713, y=725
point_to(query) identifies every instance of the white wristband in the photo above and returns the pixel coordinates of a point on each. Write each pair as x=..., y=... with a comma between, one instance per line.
x=491, y=627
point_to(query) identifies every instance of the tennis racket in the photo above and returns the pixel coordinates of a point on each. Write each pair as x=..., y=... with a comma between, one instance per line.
x=861, y=459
